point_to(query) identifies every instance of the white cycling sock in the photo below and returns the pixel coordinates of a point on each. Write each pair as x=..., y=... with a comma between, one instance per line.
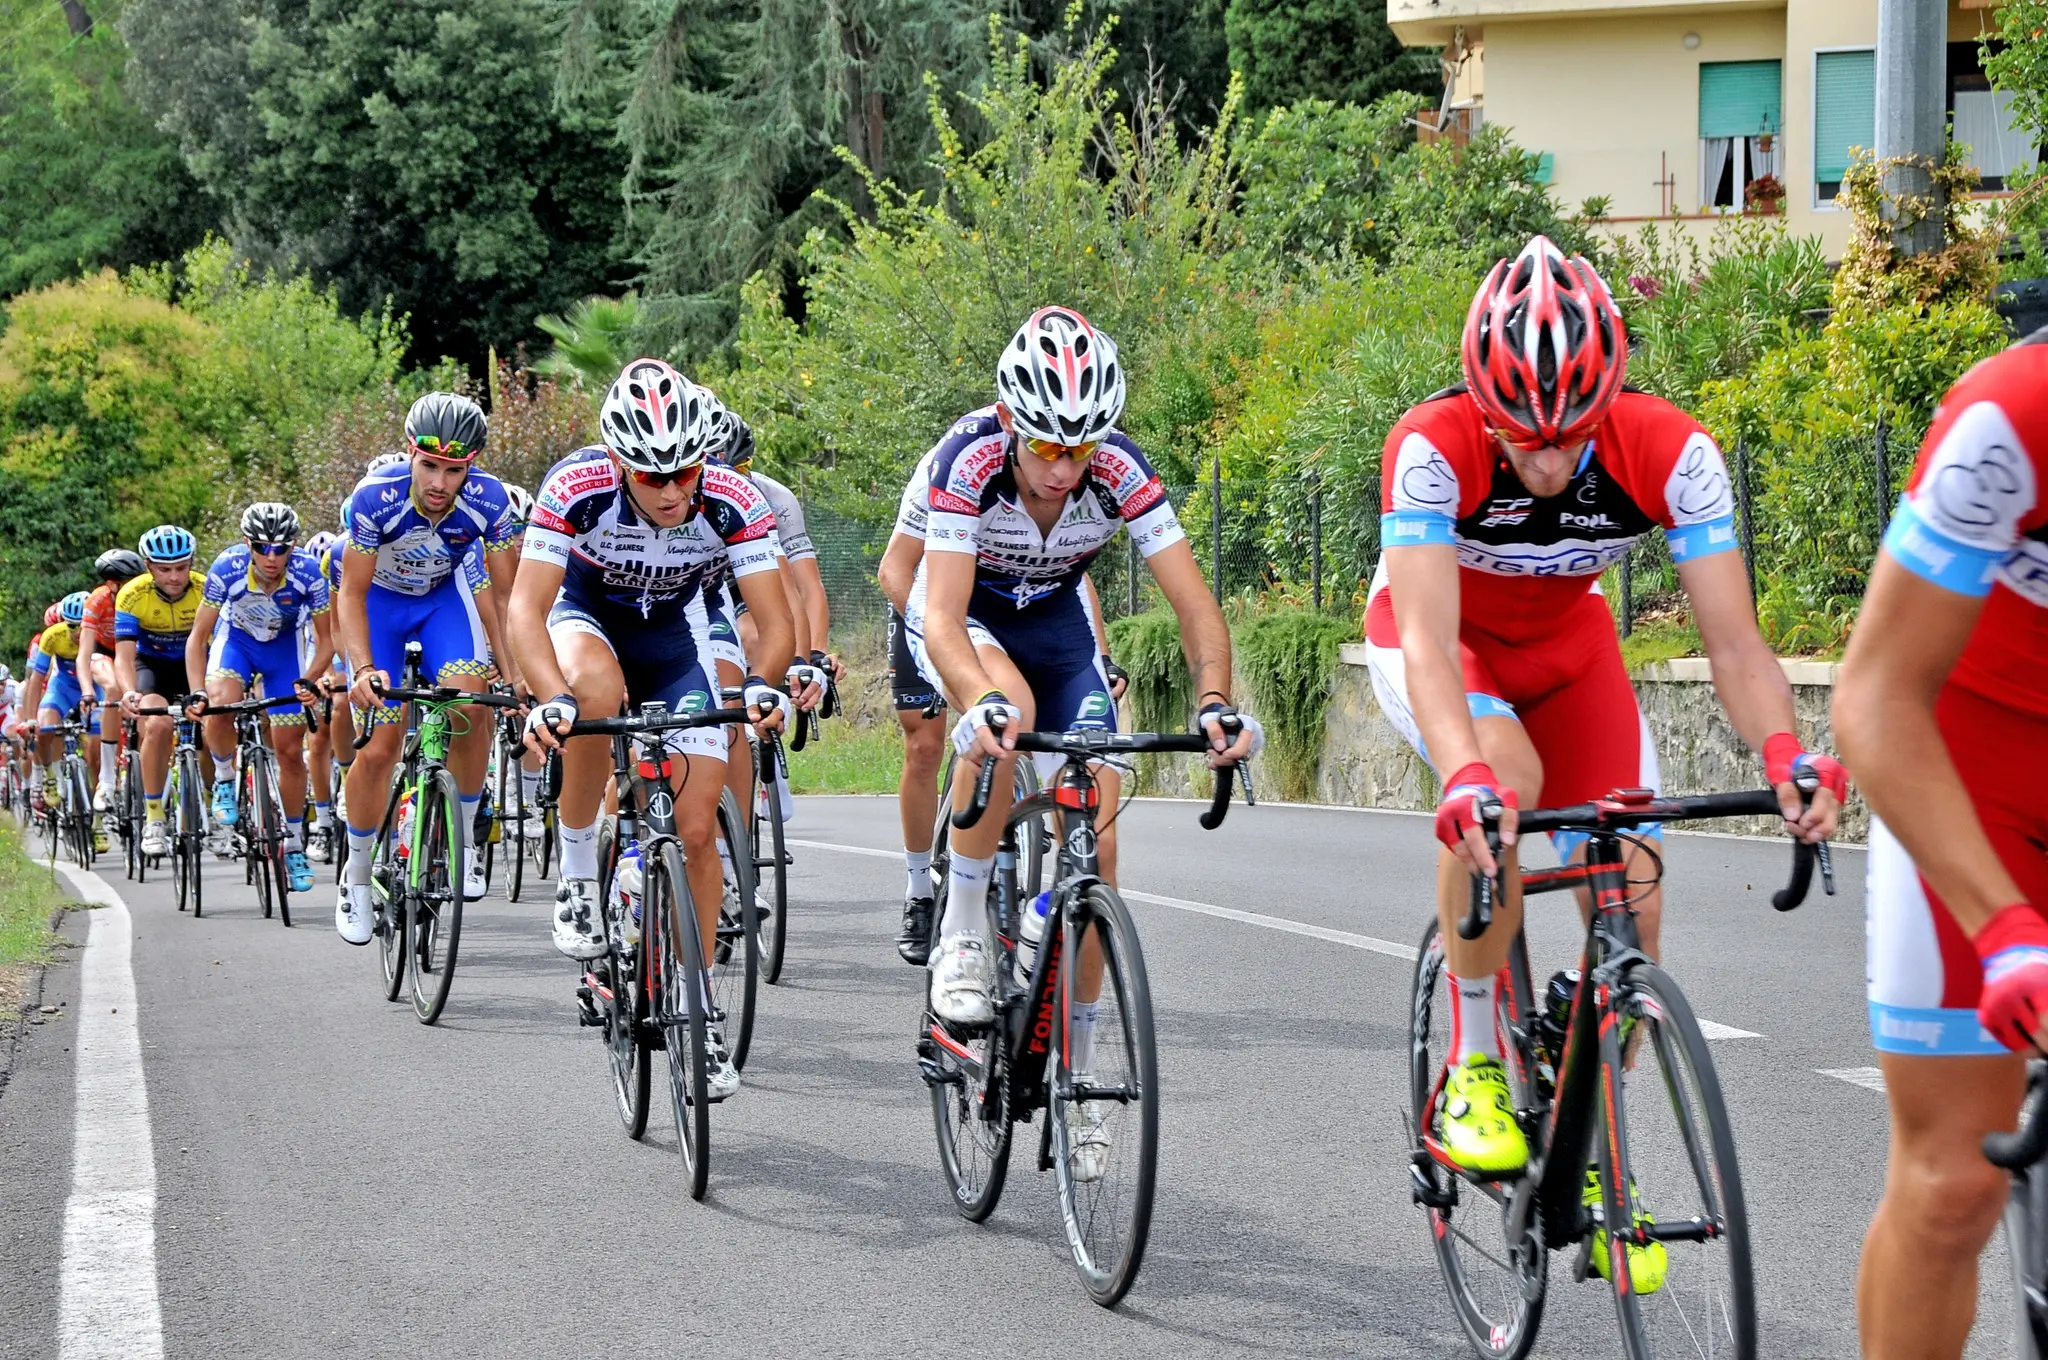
x=360, y=846
x=110, y=757
x=1473, y=1031
x=295, y=833
x=529, y=787
x=579, y=851
x=223, y=769
x=1081, y=1036
x=966, y=897
x=323, y=814
x=919, y=863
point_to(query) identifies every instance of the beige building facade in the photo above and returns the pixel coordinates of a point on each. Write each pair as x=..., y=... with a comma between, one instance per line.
x=1683, y=109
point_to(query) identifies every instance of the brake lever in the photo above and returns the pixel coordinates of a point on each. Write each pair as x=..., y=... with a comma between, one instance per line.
x=1485, y=887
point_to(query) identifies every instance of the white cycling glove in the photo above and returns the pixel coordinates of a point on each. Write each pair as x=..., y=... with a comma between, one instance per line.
x=1211, y=721
x=803, y=676
x=560, y=709
x=759, y=694
x=977, y=717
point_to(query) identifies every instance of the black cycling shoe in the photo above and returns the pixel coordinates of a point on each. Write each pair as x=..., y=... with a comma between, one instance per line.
x=914, y=941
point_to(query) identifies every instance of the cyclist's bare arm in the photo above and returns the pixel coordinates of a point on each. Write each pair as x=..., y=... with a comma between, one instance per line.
x=1423, y=580
x=948, y=585
x=526, y=624
x=353, y=610
x=774, y=630
x=815, y=609
x=1747, y=677
x=898, y=569
x=1204, y=637
x=1095, y=615
x=124, y=672
x=195, y=647
x=502, y=567
x=792, y=599
x=323, y=645
x=1906, y=642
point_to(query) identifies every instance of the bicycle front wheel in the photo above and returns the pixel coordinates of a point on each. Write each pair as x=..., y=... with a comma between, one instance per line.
x=436, y=898
x=670, y=916
x=1695, y=1296
x=269, y=829
x=1104, y=1101
x=1496, y=1287
x=191, y=829
x=772, y=855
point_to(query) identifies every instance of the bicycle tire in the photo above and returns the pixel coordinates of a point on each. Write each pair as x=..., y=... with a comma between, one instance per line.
x=192, y=828
x=1502, y=1311
x=1107, y=1265
x=512, y=814
x=86, y=820
x=437, y=903
x=628, y=1038
x=173, y=804
x=1034, y=839
x=774, y=857
x=249, y=821
x=2026, y=1246
x=270, y=825
x=1726, y=1305
x=136, y=814
x=680, y=1009
x=736, y=951
x=394, y=921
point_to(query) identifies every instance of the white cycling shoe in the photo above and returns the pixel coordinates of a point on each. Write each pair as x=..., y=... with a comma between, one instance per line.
x=578, y=932
x=156, y=837
x=103, y=799
x=960, y=980
x=355, y=913
x=1090, y=1153
x=721, y=1078
x=473, y=885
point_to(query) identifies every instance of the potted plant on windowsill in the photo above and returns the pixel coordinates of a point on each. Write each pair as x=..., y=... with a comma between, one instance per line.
x=1764, y=196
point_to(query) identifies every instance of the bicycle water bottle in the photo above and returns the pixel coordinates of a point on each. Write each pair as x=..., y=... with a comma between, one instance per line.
x=626, y=884
x=401, y=828
x=1030, y=930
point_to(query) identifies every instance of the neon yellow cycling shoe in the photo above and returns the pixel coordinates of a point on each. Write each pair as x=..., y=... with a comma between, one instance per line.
x=1646, y=1264
x=1478, y=1126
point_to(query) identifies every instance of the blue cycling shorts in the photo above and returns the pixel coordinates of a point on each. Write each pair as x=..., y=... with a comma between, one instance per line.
x=277, y=663
x=659, y=659
x=1052, y=643
x=445, y=623
x=61, y=694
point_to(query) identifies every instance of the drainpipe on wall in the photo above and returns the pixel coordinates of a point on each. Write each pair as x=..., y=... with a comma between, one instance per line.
x=1912, y=68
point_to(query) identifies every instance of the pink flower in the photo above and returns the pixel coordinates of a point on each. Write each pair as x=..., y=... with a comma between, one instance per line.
x=1645, y=285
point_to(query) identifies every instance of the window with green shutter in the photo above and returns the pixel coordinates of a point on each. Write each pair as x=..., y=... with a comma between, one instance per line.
x=1741, y=98
x=1844, y=113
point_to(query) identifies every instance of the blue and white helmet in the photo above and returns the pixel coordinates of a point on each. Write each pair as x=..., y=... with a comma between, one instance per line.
x=72, y=607
x=168, y=543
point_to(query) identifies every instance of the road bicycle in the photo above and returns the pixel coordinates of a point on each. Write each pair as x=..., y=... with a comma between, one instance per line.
x=985, y=1081
x=185, y=809
x=509, y=797
x=258, y=835
x=1614, y=1087
x=69, y=823
x=542, y=848
x=130, y=806
x=416, y=867
x=646, y=997
x=767, y=835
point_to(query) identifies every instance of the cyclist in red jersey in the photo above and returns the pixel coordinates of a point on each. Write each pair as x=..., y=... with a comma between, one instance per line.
x=1492, y=650
x=1942, y=702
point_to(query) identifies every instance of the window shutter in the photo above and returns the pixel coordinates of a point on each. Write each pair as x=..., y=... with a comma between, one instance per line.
x=1844, y=110
x=1741, y=98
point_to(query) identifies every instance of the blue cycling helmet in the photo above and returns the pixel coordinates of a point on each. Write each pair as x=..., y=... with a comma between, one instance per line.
x=72, y=607
x=168, y=543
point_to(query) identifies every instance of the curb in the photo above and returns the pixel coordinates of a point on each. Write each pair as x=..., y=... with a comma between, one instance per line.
x=18, y=1031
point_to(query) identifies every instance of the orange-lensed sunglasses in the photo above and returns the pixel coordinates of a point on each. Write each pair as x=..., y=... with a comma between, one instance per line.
x=1052, y=453
x=658, y=479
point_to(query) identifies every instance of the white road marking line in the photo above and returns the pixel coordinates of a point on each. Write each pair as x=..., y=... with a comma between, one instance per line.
x=1869, y=1078
x=107, y=1292
x=1371, y=944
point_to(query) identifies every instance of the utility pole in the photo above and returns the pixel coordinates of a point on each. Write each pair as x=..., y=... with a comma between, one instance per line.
x=1912, y=66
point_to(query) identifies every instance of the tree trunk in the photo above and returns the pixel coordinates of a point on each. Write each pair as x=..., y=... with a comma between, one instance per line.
x=75, y=15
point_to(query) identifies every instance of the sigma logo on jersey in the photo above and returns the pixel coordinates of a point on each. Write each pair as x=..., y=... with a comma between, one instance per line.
x=1505, y=510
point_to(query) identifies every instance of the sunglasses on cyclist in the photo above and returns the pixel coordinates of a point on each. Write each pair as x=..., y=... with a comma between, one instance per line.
x=659, y=479
x=1052, y=453
x=270, y=549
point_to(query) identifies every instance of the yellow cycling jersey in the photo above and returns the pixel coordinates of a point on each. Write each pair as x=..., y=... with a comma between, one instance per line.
x=60, y=641
x=157, y=627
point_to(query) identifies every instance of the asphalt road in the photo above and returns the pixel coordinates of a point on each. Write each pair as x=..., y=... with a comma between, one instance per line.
x=334, y=1179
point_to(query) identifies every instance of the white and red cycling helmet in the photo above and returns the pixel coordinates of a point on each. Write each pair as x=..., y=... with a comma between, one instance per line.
x=656, y=420
x=1544, y=347
x=1060, y=379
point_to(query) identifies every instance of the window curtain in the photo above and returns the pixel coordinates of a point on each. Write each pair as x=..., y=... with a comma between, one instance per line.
x=1714, y=155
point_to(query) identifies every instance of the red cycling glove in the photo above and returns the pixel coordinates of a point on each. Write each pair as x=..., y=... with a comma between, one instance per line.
x=1463, y=793
x=1783, y=759
x=2014, y=947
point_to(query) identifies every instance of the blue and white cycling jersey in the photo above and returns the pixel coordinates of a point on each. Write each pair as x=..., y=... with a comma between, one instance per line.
x=414, y=553
x=246, y=607
x=975, y=507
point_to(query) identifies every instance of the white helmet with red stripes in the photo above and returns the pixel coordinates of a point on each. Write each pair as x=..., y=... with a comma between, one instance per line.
x=1060, y=379
x=655, y=419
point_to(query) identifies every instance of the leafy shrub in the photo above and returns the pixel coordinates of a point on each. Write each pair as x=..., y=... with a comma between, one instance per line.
x=1287, y=658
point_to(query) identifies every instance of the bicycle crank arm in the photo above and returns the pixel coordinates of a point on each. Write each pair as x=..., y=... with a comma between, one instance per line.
x=1122, y=1095
x=1689, y=1230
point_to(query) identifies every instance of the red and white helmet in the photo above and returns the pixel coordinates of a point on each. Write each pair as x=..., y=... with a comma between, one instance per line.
x=1544, y=347
x=655, y=419
x=1060, y=379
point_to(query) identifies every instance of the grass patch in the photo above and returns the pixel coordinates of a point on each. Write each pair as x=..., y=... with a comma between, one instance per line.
x=1655, y=640
x=849, y=759
x=27, y=897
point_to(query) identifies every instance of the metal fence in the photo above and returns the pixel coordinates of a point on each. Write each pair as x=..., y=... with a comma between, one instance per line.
x=1809, y=514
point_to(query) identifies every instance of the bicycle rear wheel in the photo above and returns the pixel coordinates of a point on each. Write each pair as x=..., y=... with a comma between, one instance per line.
x=512, y=818
x=1104, y=1108
x=736, y=953
x=437, y=897
x=1678, y=1150
x=1497, y=1289
x=391, y=892
x=628, y=1039
x=772, y=855
x=670, y=915
x=968, y=1077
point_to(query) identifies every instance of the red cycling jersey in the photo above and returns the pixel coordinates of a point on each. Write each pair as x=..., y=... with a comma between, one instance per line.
x=99, y=616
